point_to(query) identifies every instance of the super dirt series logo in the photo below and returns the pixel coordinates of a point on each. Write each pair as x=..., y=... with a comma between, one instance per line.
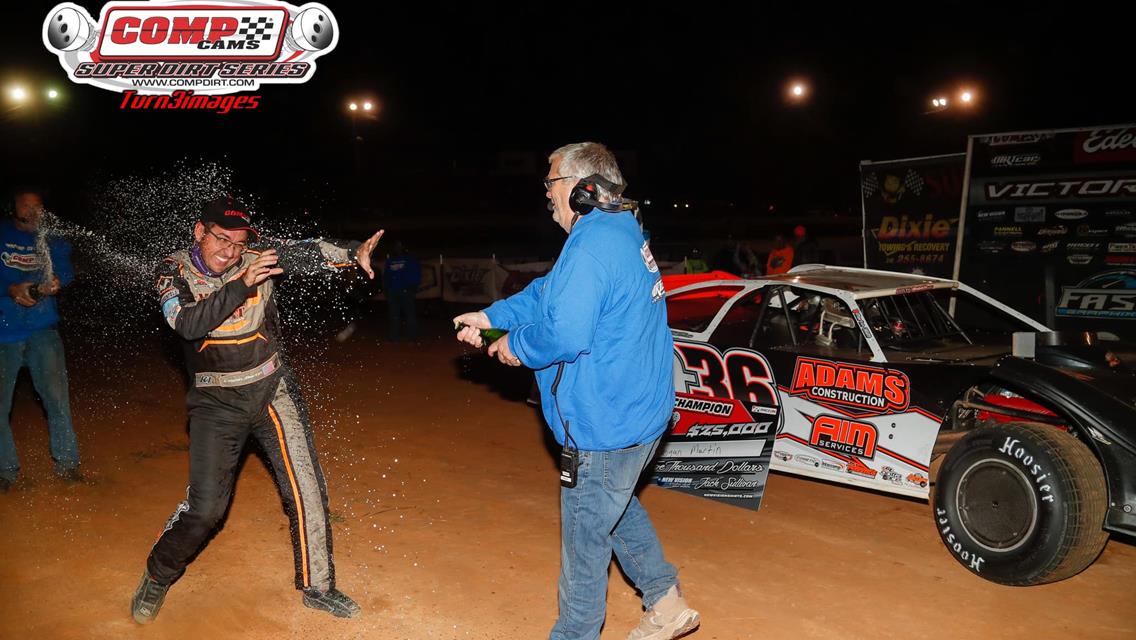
x=179, y=49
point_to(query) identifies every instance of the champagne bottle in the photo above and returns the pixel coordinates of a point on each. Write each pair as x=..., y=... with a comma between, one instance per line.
x=488, y=336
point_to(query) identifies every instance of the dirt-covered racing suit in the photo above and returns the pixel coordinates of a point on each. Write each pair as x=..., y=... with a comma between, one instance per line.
x=240, y=387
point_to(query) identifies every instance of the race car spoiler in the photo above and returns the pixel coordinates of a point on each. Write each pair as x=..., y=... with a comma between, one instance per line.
x=672, y=282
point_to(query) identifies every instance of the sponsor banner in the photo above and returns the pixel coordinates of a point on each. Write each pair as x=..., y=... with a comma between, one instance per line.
x=512, y=278
x=1107, y=295
x=1049, y=216
x=727, y=412
x=431, y=285
x=469, y=280
x=910, y=212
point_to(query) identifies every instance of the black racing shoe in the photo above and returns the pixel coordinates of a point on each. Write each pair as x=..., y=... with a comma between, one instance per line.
x=5, y=485
x=332, y=601
x=148, y=598
x=72, y=475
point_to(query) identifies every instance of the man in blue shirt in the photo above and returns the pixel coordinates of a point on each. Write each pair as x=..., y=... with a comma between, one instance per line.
x=401, y=276
x=31, y=277
x=595, y=330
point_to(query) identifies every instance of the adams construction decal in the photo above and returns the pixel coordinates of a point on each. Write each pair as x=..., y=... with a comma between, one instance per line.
x=183, y=48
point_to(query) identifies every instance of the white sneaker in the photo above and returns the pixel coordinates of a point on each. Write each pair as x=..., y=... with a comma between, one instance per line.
x=670, y=618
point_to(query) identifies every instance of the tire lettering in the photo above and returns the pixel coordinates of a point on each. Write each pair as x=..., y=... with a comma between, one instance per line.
x=1012, y=448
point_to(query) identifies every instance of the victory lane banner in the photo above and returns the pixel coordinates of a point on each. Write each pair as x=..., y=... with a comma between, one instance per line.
x=1049, y=225
x=910, y=212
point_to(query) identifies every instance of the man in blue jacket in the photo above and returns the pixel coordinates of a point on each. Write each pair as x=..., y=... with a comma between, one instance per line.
x=31, y=278
x=401, y=277
x=595, y=331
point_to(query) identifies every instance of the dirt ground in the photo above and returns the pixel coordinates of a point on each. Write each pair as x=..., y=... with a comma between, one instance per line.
x=444, y=499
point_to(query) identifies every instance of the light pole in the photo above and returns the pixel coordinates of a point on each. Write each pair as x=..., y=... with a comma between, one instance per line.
x=355, y=108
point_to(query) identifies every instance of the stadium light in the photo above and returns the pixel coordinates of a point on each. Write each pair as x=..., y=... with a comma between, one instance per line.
x=797, y=91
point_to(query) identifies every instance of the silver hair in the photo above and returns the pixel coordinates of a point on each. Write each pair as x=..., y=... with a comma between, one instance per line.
x=582, y=159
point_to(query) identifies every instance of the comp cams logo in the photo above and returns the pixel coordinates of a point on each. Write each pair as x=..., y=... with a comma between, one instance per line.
x=211, y=48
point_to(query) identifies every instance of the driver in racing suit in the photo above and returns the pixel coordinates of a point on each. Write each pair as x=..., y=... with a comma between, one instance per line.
x=218, y=296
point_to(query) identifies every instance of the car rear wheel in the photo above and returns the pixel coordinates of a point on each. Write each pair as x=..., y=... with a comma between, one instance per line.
x=1021, y=503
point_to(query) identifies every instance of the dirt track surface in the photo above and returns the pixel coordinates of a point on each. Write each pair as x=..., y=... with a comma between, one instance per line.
x=444, y=497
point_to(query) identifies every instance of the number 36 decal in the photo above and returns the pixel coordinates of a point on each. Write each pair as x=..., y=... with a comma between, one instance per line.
x=743, y=375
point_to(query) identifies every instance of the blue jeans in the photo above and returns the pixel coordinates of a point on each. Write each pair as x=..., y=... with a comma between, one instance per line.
x=42, y=352
x=400, y=304
x=601, y=515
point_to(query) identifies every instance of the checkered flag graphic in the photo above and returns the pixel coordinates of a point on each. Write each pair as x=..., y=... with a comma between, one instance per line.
x=913, y=181
x=870, y=185
x=256, y=28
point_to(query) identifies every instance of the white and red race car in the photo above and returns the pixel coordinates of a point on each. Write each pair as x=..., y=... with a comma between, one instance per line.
x=894, y=382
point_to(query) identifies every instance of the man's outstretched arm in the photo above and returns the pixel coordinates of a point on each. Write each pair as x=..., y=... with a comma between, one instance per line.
x=327, y=253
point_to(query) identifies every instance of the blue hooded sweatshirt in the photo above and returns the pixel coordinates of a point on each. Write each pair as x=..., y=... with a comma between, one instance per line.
x=601, y=312
x=20, y=263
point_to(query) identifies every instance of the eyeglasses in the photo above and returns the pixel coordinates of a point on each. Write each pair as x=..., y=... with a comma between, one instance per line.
x=548, y=181
x=226, y=243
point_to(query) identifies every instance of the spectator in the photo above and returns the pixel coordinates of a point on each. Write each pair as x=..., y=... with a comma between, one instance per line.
x=805, y=249
x=780, y=258
x=401, y=276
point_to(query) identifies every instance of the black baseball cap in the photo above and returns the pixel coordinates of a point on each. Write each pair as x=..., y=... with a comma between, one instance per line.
x=229, y=214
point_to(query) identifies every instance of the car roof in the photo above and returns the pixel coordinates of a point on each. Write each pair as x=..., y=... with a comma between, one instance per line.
x=861, y=283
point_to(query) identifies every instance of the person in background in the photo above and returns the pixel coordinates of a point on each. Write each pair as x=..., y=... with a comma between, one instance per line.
x=28, y=317
x=780, y=258
x=695, y=263
x=744, y=260
x=401, y=275
x=805, y=250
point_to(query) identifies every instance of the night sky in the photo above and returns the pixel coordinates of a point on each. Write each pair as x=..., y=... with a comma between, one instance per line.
x=693, y=98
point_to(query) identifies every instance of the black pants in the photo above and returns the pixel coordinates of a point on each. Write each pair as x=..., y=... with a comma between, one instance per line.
x=220, y=421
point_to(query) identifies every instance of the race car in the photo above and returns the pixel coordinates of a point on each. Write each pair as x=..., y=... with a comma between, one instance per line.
x=1027, y=437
